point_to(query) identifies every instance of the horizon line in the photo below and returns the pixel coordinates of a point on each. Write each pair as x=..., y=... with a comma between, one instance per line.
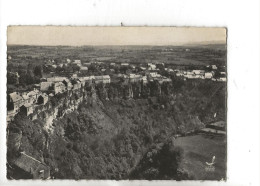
x=181, y=44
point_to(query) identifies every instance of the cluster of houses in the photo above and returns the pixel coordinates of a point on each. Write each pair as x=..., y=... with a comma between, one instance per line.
x=57, y=85
x=200, y=74
x=84, y=66
x=24, y=102
x=148, y=77
x=27, y=101
x=48, y=87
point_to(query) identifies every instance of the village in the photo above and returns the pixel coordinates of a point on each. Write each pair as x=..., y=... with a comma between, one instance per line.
x=48, y=87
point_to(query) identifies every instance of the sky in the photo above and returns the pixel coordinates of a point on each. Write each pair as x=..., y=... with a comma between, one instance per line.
x=83, y=35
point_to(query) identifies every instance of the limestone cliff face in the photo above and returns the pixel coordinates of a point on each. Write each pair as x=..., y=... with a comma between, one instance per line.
x=130, y=90
x=134, y=90
x=68, y=102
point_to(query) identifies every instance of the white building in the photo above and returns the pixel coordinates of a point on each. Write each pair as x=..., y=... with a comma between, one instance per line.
x=124, y=64
x=56, y=79
x=77, y=62
x=83, y=69
x=151, y=66
x=224, y=79
x=214, y=67
x=102, y=79
x=208, y=75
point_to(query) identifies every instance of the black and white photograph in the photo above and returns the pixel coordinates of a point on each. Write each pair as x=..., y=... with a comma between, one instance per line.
x=116, y=103
x=133, y=92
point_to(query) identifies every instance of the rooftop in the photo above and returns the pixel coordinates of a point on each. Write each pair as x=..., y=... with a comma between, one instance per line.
x=15, y=96
x=30, y=164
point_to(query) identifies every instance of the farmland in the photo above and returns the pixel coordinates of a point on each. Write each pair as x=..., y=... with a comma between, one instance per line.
x=172, y=55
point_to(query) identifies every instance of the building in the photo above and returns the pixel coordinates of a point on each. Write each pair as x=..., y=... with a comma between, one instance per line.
x=54, y=66
x=26, y=98
x=42, y=99
x=83, y=69
x=59, y=88
x=33, y=95
x=169, y=69
x=194, y=74
x=46, y=86
x=86, y=79
x=198, y=72
x=124, y=64
x=151, y=66
x=74, y=75
x=87, y=64
x=179, y=73
x=154, y=76
x=77, y=62
x=27, y=109
x=165, y=79
x=224, y=79
x=56, y=79
x=189, y=75
x=27, y=167
x=14, y=101
x=102, y=79
x=106, y=79
x=53, y=87
x=214, y=67
x=133, y=78
x=208, y=75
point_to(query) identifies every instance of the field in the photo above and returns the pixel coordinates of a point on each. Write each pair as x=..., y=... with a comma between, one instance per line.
x=172, y=55
x=200, y=149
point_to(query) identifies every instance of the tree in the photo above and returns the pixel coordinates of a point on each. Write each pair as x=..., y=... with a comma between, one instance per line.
x=38, y=71
x=12, y=78
x=160, y=162
x=75, y=68
x=59, y=69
